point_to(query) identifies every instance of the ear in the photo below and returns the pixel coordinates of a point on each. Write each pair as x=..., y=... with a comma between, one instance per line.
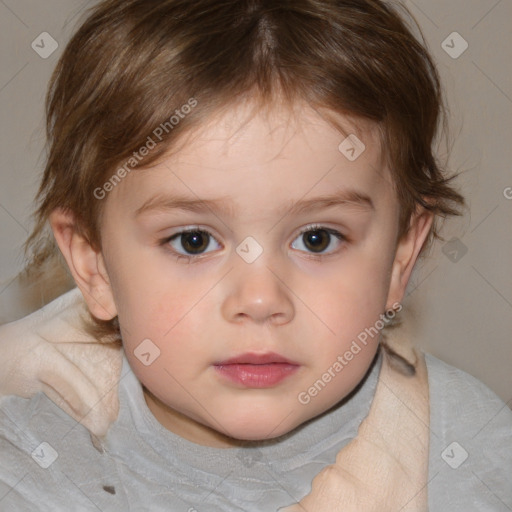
x=86, y=265
x=407, y=252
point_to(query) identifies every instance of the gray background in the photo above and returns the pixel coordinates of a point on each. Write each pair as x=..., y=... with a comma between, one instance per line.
x=461, y=295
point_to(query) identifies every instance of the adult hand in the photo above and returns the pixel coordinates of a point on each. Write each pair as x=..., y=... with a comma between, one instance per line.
x=48, y=351
x=385, y=468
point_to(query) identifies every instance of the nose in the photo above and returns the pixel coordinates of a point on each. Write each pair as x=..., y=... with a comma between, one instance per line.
x=259, y=295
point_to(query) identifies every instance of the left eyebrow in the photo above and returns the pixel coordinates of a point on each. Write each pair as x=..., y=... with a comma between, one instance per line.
x=343, y=198
x=163, y=203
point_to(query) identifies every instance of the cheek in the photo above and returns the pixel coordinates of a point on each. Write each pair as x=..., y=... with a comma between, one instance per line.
x=351, y=299
x=151, y=296
x=163, y=317
x=169, y=329
x=349, y=304
x=173, y=315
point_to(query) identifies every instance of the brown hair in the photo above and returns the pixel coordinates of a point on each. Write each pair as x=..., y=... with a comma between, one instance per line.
x=133, y=63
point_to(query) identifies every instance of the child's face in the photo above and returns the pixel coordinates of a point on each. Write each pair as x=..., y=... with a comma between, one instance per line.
x=301, y=302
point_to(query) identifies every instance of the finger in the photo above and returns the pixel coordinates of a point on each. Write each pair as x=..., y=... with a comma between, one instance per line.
x=335, y=490
x=320, y=498
x=72, y=391
x=97, y=419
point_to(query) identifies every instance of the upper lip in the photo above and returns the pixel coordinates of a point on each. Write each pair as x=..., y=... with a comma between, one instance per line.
x=252, y=358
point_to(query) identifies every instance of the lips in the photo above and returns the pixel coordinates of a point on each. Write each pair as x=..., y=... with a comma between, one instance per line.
x=257, y=359
x=256, y=370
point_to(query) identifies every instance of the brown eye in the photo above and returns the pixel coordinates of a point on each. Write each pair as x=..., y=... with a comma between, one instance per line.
x=195, y=242
x=191, y=243
x=318, y=240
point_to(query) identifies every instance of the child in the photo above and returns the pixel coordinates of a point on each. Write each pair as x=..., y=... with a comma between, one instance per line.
x=240, y=191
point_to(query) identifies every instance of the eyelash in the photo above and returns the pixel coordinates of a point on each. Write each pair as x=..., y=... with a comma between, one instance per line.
x=190, y=258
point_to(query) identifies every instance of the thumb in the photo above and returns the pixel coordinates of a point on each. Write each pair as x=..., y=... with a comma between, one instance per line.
x=70, y=389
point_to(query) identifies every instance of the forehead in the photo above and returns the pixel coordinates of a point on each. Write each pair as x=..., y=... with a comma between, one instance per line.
x=246, y=153
x=277, y=132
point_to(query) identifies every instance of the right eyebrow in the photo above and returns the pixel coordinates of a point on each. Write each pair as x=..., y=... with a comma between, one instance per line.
x=168, y=202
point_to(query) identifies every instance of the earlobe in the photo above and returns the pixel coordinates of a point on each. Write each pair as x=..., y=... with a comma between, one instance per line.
x=407, y=252
x=86, y=265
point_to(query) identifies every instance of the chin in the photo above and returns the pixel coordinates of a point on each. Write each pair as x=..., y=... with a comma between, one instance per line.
x=259, y=430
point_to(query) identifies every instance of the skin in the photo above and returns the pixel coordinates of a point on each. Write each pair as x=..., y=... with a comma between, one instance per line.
x=304, y=305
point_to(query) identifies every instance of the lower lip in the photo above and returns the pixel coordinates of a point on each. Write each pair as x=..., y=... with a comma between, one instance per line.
x=257, y=375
